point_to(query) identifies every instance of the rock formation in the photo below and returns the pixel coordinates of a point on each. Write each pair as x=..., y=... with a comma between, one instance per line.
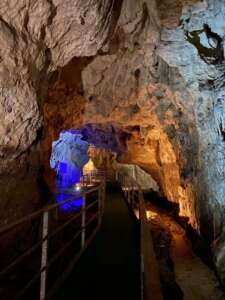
x=38, y=37
x=152, y=71
x=69, y=152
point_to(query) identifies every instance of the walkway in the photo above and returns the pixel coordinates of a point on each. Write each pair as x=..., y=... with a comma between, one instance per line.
x=109, y=269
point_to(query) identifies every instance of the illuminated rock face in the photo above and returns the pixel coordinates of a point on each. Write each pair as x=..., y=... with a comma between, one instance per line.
x=161, y=134
x=195, y=53
x=69, y=155
x=36, y=38
x=166, y=95
x=89, y=167
x=153, y=69
x=70, y=147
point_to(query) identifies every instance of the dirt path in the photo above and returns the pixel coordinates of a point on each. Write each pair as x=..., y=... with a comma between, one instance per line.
x=196, y=280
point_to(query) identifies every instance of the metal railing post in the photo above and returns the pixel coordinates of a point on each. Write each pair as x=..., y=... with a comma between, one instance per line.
x=140, y=203
x=104, y=196
x=128, y=194
x=100, y=200
x=83, y=220
x=44, y=255
x=132, y=196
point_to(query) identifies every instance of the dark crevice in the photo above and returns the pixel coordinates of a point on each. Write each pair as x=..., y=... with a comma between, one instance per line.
x=117, y=6
x=145, y=17
x=71, y=75
x=53, y=12
x=26, y=21
x=222, y=132
x=42, y=88
x=9, y=27
x=210, y=55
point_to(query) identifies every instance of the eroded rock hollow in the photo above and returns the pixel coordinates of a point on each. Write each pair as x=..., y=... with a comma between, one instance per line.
x=147, y=74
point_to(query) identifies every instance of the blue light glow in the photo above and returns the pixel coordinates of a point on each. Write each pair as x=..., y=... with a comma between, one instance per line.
x=69, y=155
x=65, y=187
x=74, y=205
x=62, y=167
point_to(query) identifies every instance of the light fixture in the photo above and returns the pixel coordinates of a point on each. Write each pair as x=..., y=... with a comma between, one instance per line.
x=77, y=187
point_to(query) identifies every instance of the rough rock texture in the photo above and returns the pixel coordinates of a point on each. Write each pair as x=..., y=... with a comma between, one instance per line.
x=200, y=40
x=153, y=69
x=36, y=37
x=163, y=86
x=68, y=157
x=149, y=113
x=152, y=114
x=166, y=91
x=70, y=148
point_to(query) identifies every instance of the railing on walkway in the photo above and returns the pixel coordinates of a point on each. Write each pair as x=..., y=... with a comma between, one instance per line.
x=93, y=178
x=92, y=210
x=150, y=280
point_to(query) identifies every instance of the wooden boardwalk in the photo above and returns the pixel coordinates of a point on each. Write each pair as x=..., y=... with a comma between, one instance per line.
x=110, y=267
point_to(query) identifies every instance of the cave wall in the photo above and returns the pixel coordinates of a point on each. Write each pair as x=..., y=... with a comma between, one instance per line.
x=164, y=86
x=203, y=90
x=153, y=68
x=140, y=98
x=37, y=37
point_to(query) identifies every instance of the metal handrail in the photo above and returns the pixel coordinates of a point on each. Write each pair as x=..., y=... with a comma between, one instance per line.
x=150, y=281
x=46, y=236
x=94, y=174
x=49, y=236
x=39, y=212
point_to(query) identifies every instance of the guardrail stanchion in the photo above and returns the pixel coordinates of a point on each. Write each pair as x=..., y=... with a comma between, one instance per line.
x=44, y=254
x=100, y=200
x=128, y=194
x=132, y=196
x=125, y=186
x=83, y=220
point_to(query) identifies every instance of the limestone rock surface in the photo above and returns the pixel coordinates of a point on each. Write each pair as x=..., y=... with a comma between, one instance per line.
x=36, y=38
x=153, y=69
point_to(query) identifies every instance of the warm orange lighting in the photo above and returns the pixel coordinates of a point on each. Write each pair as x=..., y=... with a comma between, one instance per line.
x=151, y=215
x=89, y=167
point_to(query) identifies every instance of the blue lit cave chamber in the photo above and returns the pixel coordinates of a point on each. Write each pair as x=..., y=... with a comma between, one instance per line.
x=68, y=158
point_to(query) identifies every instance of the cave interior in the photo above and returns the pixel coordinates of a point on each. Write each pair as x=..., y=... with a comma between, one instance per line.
x=104, y=104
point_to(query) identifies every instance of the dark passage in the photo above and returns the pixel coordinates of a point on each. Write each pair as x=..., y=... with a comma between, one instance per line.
x=110, y=267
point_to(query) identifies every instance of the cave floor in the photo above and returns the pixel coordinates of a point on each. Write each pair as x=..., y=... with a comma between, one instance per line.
x=196, y=280
x=109, y=268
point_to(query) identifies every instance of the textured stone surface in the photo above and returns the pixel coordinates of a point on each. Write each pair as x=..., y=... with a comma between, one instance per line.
x=70, y=148
x=203, y=86
x=151, y=115
x=161, y=129
x=36, y=37
x=155, y=70
x=171, y=102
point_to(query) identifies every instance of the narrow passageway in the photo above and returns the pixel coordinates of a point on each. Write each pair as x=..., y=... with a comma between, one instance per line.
x=196, y=280
x=109, y=269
